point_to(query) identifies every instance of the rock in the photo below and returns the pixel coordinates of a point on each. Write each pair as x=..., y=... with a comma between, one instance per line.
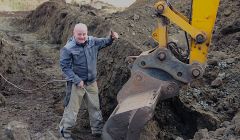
x=217, y=82
x=179, y=138
x=2, y=100
x=211, y=133
x=234, y=42
x=136, y=17
x=230, y=60
x=204, y=105
x=227, y=12
x=222, y=65
x=201, y=135
x=231, y=47
x=17, y=131
x=219, y=131
x=225, y=124
x=196, y=93
x=131, y=25
x=153, y=16
x=222, y=75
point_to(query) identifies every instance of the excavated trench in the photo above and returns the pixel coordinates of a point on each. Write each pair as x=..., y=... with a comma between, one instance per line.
x=28, y=63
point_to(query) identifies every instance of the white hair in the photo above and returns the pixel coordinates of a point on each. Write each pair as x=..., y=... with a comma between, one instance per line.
x=80, y=25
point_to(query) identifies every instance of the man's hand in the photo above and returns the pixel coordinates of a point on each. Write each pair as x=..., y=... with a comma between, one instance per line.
x=114, y=35
x=81, y=84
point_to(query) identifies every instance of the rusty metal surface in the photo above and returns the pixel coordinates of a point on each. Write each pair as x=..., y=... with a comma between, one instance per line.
x=155, y=75
x=163, y=59
x=130, y=116
x=139, y=83
x=137, y=101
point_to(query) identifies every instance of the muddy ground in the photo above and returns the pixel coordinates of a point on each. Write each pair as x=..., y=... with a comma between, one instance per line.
x=30, y=44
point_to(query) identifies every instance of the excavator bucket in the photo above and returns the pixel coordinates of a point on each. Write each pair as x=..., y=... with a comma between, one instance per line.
x=155, y=75
x=135, y=110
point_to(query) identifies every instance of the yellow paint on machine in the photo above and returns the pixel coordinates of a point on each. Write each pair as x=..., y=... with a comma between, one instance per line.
x=204, y=14
x=160, y=35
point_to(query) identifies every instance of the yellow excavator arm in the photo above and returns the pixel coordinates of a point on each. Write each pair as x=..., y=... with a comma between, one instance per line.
x=203, y=17
x=159, y=73
x=199, y=27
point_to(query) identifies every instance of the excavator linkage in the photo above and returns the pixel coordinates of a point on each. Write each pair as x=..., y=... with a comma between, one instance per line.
x=152, y=79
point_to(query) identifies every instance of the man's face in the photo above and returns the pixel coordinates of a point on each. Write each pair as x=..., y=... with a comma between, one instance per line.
x=80, y=35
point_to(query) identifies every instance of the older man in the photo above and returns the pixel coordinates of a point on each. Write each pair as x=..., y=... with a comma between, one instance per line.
x=78, y=61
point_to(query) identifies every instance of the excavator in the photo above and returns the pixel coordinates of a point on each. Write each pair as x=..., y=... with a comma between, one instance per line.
x=159, y=73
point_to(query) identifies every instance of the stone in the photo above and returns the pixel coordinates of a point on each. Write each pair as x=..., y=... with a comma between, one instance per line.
x=202, y=134
x=216, y=83
x=234, y=42
x=17, y=131
x=136, y=17
x=153, y=16
x=179, y=138
x=227, y=12
x=220, y=131
x=230, y=60
x=225, y=124
x=223, y=65
x=131, y=25
x=222, y=75
x=196, y=93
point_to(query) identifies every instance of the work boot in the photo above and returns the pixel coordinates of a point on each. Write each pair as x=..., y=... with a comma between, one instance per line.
x=97, y=135
x=66, y=135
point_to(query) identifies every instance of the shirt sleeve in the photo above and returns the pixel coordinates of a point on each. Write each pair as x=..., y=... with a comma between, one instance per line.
x=66, y=66
x=102, y=42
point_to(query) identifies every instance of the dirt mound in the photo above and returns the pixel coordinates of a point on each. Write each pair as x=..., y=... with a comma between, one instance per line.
x=55, y=21
x=207, y=103
x=28, y=65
